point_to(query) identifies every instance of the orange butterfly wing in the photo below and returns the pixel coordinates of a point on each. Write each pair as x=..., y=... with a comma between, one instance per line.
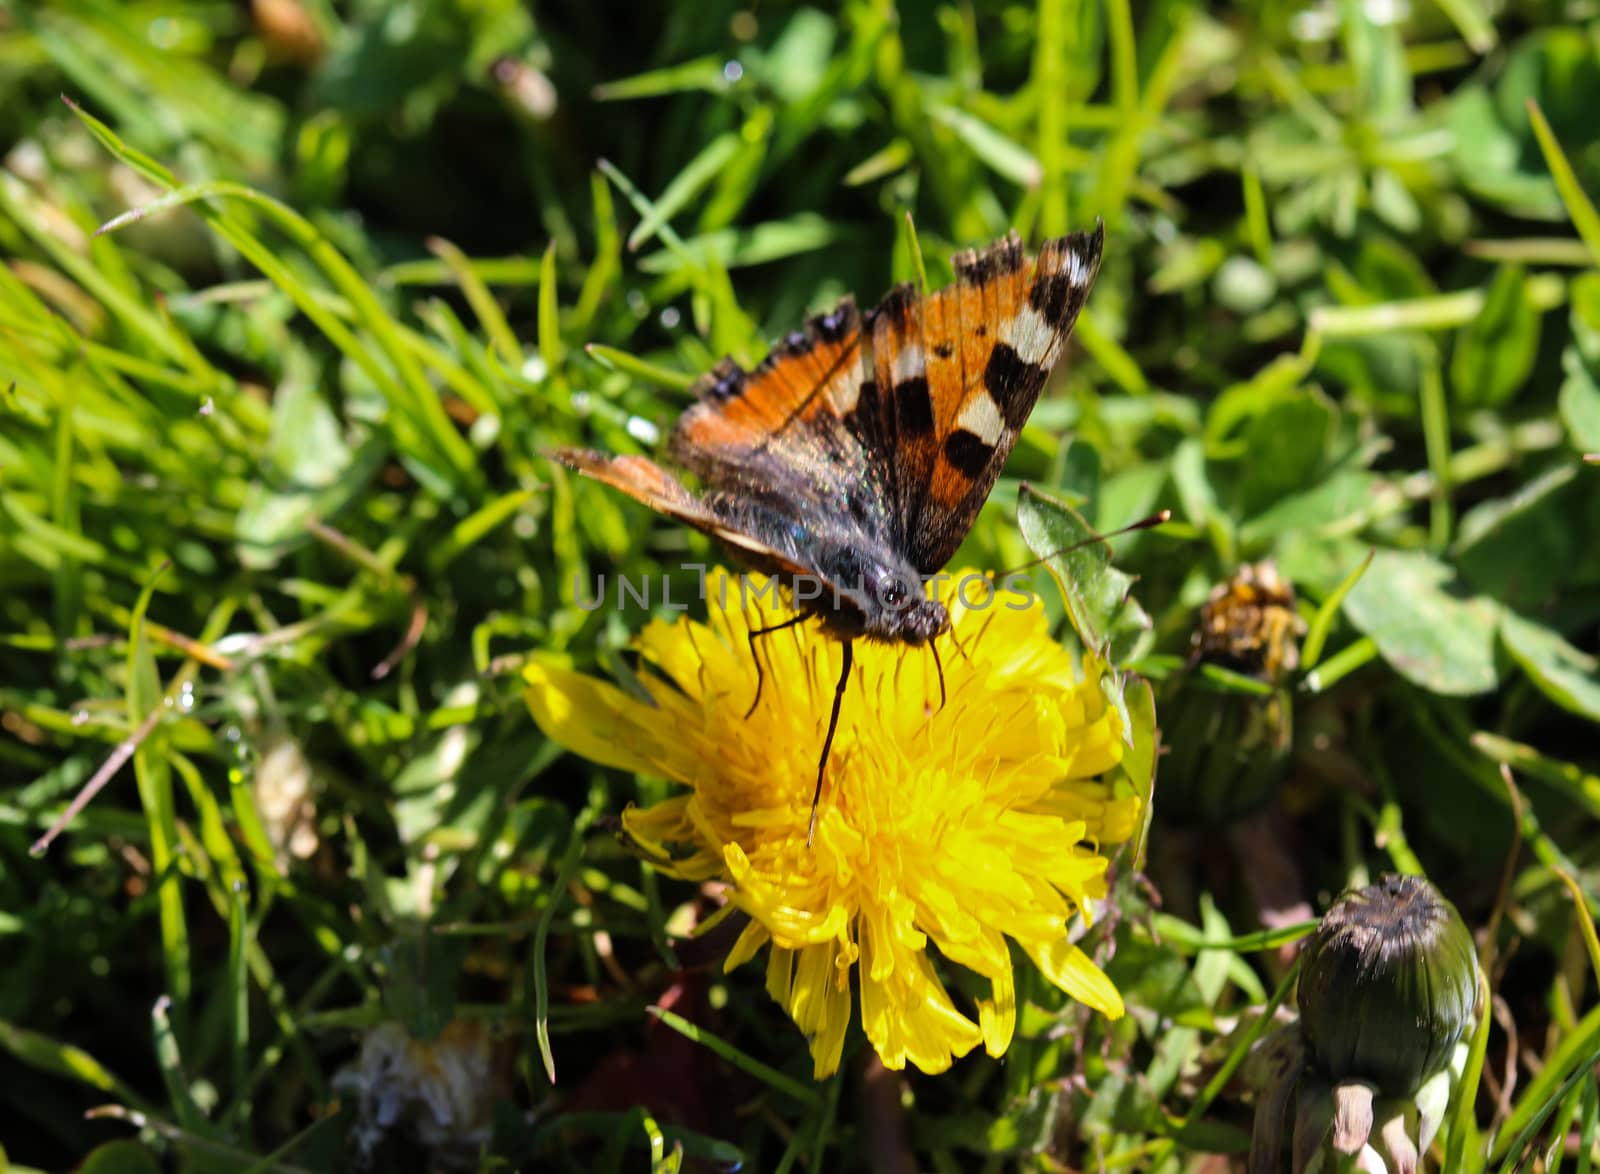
x=963, y=369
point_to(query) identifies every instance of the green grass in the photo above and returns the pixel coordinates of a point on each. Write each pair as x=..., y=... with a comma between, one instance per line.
x=276, y=534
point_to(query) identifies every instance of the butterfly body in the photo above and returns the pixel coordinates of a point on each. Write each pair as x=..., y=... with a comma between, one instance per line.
x=853, y=460
x=851, y=580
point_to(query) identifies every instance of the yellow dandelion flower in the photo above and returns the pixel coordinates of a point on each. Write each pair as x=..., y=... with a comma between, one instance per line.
x=956, y=827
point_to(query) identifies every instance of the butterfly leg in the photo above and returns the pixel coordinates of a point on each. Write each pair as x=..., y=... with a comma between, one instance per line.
x=939, y=667
x=833, y=727
x=761, y=675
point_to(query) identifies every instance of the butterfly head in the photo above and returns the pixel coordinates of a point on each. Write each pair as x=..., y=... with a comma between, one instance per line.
x=898, y=609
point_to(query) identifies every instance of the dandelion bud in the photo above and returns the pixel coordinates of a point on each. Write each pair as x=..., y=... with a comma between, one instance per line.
x=1388, y=987
x=1229, y=748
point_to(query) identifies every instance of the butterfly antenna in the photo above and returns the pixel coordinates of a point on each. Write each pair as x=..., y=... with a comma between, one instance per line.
x=1155, y=519
x=761, y=675
x=827, y=743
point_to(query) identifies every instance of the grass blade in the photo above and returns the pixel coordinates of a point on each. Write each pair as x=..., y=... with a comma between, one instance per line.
x=1584, y=217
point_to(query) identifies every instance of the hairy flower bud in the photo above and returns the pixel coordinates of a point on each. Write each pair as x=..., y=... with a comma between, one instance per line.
x=1388, y=986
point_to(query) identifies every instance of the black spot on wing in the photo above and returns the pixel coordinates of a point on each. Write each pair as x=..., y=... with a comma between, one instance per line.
x=1057, y=298
x=863, y=418
x=913, y=405
x=967, y=453
x=1012, y=383
x=723, y=382
x=1068, y=267
x=896, y=306
x=837, y=322
x=944, y=350
x=1000, y=259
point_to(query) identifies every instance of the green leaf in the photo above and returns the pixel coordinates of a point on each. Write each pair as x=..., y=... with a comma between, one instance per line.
x=1139, y=760
x=1566, y=675
x=685, y=186
x=1024, y=1128
x=1004, y=156
x=1322, y=622
x=1497, y=149
x=1196, y=496
x=1376, y=54
x=1488, y=156
x=1158, y=983
x=551, y=349
x=1428, y=629
x=1524, y=547
x=64, y=1061
x=1578, y=1050
x=1096, y=594
x=1390, y=272
x=1579, y=400
x=1579, y=207
x=311, y=473
x=733, y=248
x=617, y=360
x=705, y=73
x=120, y=1157
x=1583, y=296
x=1566, y=779
x=1494, y=355
x=1385, y=367
x=797, y=62
x=1339, y=501
x=1579, y=403
x=1473, y=21
x=1287, y=442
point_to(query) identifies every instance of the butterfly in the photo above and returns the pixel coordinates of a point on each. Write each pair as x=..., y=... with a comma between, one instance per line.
x=853, y=460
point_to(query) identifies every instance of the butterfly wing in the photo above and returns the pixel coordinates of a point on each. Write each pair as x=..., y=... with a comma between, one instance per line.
x=957, y=373
x=645, y=481
x=780, y=436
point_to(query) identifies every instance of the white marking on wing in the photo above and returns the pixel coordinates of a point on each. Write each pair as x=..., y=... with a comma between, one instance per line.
x=909, y=361
x=1029, y=335
x=981, y=417
x=846, y=393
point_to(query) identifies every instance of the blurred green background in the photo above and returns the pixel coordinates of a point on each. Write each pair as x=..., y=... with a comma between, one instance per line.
x=273, y=517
